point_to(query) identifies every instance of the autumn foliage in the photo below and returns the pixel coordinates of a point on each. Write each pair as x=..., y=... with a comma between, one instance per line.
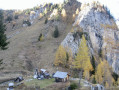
x=82, y=60
x=77, y=11
x=60, y=58
x=63, y=13
x=103, y=74
x=63, y=58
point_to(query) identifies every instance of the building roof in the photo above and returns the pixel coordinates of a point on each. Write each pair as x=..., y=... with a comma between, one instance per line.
x=60, y=74
x=11, y=84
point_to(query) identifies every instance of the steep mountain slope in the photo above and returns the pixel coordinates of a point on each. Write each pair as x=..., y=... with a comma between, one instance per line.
x=101, y=33
x=25, y=52
x=112, y=5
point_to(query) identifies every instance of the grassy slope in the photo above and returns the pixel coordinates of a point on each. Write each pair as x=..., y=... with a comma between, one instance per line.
x=26, y=53
x=42, y=83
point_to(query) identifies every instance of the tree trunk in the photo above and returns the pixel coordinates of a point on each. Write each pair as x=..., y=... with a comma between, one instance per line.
x=80, y=77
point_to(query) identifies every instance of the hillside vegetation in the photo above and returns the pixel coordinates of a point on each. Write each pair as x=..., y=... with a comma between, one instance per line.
x=26, y=52
x=79, y=39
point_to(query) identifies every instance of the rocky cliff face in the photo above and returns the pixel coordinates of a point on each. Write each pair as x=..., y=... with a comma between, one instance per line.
x=102, y=34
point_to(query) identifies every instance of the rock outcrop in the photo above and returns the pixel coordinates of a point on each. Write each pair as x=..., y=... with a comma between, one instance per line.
x=70, y=7
x=102, y=34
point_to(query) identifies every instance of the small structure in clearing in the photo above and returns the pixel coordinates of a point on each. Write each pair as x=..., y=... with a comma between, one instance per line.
x=61, y=76
x=11, y=86
x=45, y=73
x=41, y=74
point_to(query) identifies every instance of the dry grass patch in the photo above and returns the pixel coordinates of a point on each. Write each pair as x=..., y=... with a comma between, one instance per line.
x=107, y=26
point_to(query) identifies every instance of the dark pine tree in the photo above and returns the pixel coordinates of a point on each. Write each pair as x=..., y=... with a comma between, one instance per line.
x=56, y=32
x=3, y=38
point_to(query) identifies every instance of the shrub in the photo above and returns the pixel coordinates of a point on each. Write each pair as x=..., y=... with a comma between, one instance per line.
x=41, y=15
x=40, y=37
x=66, y=1
x=108, y=12
x=107, y=26
x=56, y=5
x=57, y=18
x=56, y=32
x=46, y=20
x=93, y=64
x=94, y=81
x=27, y=12
x=27, y=22
x=100, y=53
x=51, y=8
x=16, y=16
x=45, y=11
x=73, y=86
x=110, y=15
x=74, y=35
x=9, y=18
x=79, y=33
x=63, y=13
x=1, y=61
x=115, y=76
x=35, y=8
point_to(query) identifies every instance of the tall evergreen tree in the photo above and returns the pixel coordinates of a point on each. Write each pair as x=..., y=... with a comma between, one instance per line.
x=93, y=64
x=3, y=38
x=82, y=60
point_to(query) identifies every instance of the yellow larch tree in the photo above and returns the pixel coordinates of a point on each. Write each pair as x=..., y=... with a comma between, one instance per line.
x=41, y=15
x=103, y=74
x=88, y=67
x=55, y=12
x=107, y=85
x=118, y=81
x=107, y=74
x=73, y=17
x=82, y=60
x=41, y=38
x=63, y=13
x=60, y=57
x=77, y=11
x=69, y=58
x=45, y=12
x=99, y=73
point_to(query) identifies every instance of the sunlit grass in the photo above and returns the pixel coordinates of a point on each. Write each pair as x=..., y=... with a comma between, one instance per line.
x=39, y=83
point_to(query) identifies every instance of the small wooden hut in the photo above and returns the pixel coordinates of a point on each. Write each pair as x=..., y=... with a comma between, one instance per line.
x=61, y=76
